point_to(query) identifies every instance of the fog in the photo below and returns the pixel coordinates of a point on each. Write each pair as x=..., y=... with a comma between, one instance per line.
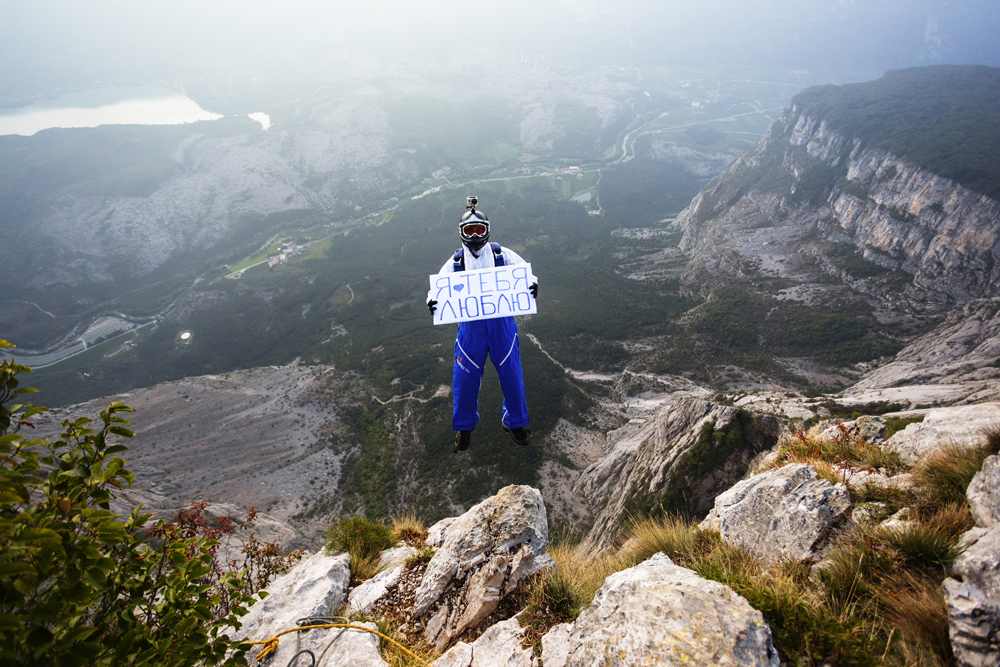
x=51, y=47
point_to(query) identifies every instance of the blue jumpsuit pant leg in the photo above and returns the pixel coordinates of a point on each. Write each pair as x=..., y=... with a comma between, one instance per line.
x=498, y=338
x=471, y=347
x=505, y=351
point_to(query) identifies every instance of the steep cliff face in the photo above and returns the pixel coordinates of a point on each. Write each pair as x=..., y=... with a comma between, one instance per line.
x=677, y=461
x=798, y=204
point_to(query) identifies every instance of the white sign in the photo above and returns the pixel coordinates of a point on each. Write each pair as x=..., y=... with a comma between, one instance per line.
x=483, y=294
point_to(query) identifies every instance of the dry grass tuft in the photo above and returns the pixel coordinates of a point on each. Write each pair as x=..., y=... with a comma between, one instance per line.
x=584, y=574
x=673, y=536
x=364, y=568
x=845, y=451
x=952, y=520
x=944, y=476
x=409, y=529
x=992, y=434
x=917, y=611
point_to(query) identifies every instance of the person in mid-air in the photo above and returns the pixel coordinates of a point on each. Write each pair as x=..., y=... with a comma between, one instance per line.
x=497, y=337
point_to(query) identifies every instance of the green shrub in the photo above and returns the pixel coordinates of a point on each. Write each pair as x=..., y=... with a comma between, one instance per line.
x=77, y=585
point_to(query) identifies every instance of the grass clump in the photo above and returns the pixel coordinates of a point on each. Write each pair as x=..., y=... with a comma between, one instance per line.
x=364, y=540
x=890, y=579
x=944, y=476
x=844, y=452
x=555, y=598
x=558, y=595
x=408, y=529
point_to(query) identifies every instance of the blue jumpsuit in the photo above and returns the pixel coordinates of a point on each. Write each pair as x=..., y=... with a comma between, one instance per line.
x=496, y=337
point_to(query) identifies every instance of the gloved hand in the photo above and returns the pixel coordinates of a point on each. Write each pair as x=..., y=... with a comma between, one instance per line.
x=432, y=305
x=534, y=290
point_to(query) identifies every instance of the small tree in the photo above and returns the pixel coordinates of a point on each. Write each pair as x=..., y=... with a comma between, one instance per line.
x=77, y=584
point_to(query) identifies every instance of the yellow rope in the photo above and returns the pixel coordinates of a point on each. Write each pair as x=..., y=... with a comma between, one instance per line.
x=271, y=645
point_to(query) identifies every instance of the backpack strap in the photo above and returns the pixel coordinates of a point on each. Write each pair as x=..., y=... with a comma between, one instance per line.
x=497, y=254
x=459, y=258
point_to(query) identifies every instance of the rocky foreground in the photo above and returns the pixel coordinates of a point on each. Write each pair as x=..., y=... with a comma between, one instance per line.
x=467, y=599
x=654, y=611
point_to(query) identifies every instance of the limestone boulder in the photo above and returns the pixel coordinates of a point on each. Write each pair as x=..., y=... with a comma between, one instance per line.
x=315, y=586
x=962, y=425
x=783, y=513
x=499, y=646
x=984, y=498
x=437, y=532
x=485, y=553
x=397, y=555
x=657, y=613
x=973, y=625
x=973, y=594
x=869, y=428
x=979, y=563
x=363, y=597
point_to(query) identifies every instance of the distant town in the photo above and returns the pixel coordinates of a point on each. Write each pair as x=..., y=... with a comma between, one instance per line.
x=288, y=249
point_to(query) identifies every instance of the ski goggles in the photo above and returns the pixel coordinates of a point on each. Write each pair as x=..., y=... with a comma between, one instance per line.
x=475, y=229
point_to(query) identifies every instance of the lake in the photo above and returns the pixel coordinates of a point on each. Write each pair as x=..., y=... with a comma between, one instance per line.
x=145, y=105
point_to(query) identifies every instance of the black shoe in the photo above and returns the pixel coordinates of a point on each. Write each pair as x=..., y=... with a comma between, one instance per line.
x=462, y=439
x=519, y=434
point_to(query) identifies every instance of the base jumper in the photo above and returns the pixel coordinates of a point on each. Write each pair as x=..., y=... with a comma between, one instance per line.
x=496, y=337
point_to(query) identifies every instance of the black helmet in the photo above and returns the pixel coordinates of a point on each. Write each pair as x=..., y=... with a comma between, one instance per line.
x=474, y=229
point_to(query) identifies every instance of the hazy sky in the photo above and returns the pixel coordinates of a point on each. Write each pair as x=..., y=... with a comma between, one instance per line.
x=50, y=45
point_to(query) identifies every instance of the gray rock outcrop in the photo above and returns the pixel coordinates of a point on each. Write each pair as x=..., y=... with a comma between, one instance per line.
x=867, y=428
x=979, y=564
x=657, y=613
x=437, y=532
x=486, y=552
x=972, y=625
x=960, y=351
x=959, y=425
x=499, y=646
x=313, y=587
x=681, y=458
x=783, y=513
x=973, y=595
x=984, y=499
x=363, y=597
